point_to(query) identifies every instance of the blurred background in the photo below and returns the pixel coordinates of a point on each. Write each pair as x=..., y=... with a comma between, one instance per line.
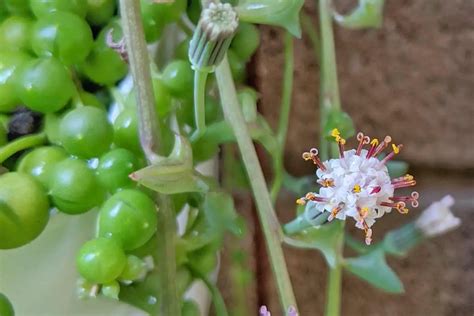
x=412, y=79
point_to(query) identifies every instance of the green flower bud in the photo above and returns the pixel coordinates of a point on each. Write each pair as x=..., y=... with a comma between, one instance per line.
x=212, y=36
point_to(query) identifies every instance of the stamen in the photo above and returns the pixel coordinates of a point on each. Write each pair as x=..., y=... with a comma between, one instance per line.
x=363, y=212
x=396, y=149
x=313, y=155
x=407, y=177
x=301, y=201
x=356, y=189
x=368, y=234
x=413, y=198
x=363, y=140
x=403, y=182
x=326, y=183
x=340, y=141
x=311, y=197
x=382, y=146
x=400, y=206
x=335, y=211
x=373, y=144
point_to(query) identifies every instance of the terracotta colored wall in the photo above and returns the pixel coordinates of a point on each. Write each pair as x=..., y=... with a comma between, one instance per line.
x=412, y=79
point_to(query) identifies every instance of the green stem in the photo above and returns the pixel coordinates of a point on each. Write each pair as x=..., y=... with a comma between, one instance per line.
x=329, y=100
x=284, y=115
x=329, y=95
x=151, y=143
x=334, y=287
x=269, y=222
x=312, y=34
x=300, y=223
x=20, y=144
x=200, y=78
x=333, y=299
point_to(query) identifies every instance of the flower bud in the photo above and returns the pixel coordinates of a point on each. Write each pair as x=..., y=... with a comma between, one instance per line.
x=438, y=219
x=212, y=36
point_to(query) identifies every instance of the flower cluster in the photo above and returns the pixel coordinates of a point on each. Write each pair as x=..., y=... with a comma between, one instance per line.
x=357, y=184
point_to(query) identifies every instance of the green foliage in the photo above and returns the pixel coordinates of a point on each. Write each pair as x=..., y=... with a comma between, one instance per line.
x=284, y=13
x=324, y=238
x=220, y=213
x=397, y=168
x=372, y=267
x=173, y=174
x=6, y=307
x=340, y=120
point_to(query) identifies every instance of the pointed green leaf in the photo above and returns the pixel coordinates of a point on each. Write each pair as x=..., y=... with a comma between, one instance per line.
x=284, y=13
x=368, y=14
x=169, y=180
x=173, y=174
x=325, y=238
x=220, y=213
x=373, y=268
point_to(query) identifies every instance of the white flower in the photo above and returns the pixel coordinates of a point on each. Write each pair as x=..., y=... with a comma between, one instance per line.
x=437, y=219
x=357, y=184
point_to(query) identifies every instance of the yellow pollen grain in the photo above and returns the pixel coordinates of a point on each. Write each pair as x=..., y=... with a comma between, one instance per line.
x=306, y=156
x=356, y=188
x=374, y=142
x=395, y=148
x=364, y=211
x=300, y=201
x=335, y=133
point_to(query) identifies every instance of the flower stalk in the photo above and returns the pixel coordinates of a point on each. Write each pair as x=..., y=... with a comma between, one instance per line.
x=329, y=94
x=284, y=115
x=269, y=222
x=150, y=139
x=329, y=100
x=20, y=144
x=207, y=48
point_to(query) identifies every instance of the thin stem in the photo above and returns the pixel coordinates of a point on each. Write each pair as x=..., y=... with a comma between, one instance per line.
x=150, y=140
x=185, y=25
x=308, y=28
x=333, y=299
x=140, y=68
x=284, y=115
x=269, y=222
x=300, y=223
x=200, y=78
x=20, y=144
x=329, y=98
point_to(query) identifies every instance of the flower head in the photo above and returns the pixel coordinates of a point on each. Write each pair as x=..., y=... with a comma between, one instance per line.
x=357, y=184
x=438, y=218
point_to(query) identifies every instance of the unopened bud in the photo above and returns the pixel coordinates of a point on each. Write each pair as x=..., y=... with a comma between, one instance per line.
x=212, y=36
x=438, y=219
